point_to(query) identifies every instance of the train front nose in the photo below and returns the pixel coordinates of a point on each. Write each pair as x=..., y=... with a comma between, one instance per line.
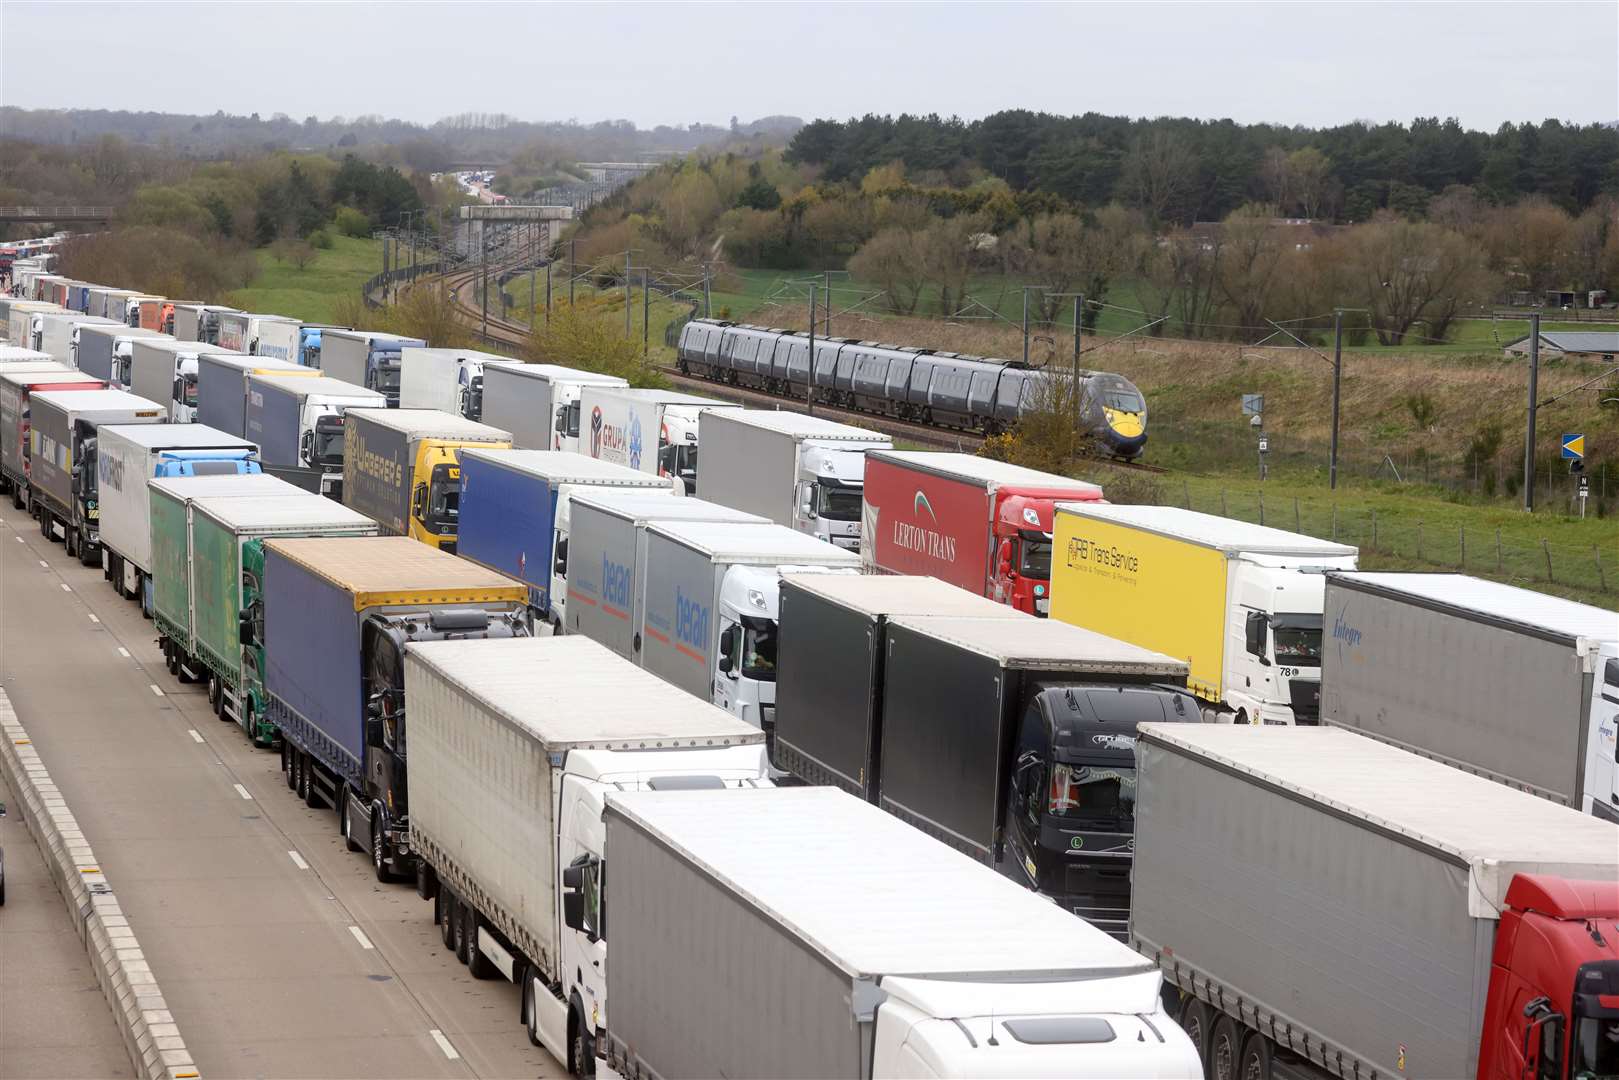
x=1126, y=434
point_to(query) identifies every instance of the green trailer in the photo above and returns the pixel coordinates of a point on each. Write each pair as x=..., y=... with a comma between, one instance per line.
x=227, y=562
x=171, y=555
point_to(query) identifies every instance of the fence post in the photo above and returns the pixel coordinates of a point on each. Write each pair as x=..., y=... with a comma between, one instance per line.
x=1419, y=541
x=1335, y=522
x=1498, y=549
x=1602, y=578
x=1223, y=511
x=1187, y=488
x=1463, y=563
x=1296, y=526
x=1262, y=506
x=1374, y=528
x=1547, y=549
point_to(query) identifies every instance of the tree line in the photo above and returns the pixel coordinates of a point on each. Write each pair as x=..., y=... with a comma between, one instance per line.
x=1180, y=171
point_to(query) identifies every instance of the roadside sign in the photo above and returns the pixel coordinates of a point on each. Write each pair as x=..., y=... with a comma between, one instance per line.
x=1253, y=404
x=1574, y=446
x=1264, y=444
x=1585, y=486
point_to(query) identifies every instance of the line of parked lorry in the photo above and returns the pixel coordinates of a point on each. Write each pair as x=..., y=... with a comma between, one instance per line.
x=1027, y=745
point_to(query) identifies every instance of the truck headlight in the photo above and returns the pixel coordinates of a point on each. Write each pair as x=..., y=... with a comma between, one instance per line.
x=1039, y=590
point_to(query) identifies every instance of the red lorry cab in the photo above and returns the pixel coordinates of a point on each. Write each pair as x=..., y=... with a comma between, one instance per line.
x=1553, y=1006
x=979, y=524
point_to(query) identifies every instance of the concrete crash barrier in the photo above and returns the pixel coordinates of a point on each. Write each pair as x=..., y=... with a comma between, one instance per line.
x=138, y=1006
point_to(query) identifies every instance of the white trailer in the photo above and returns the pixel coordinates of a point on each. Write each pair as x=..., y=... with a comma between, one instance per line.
x=450, y=380
x=127, y=457
x=105, y=351
x=651, y=430
x=240, y=331
x=514, y=748
x=198, y=322
x=58, y=334
x=801, y=471
x=539, y=403
x=803, y=932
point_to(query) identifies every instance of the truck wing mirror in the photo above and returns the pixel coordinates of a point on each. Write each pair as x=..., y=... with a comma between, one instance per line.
x=418, y=501
x=1255, y=632
x=244, y=629
x=573, y=906
x=1006, y=557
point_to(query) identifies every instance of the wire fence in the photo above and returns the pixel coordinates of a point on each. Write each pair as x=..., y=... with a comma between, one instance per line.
x=1463, y=548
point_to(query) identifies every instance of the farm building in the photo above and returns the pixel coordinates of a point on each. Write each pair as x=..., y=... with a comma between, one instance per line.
x=1579, y=344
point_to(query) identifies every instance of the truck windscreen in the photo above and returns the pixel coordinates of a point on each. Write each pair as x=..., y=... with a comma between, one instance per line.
x=1298, y=640
x=1092, y=791
x=328, y=442
x=1034, y=555
x=444, y=500
x=758, y=648
x=839, y=503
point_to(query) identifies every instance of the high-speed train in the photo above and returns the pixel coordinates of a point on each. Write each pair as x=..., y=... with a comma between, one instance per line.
x=942, y=389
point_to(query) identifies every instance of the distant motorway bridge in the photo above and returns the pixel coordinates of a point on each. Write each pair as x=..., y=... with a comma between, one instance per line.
x=53, y=215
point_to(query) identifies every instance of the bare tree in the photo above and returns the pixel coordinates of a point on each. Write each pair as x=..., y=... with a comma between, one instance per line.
x=1250, y=259
x=1410, y=273
x=895, y=260
x=1157, y=172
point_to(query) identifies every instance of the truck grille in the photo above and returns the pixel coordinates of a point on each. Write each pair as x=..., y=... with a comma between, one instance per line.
x=1306, y=700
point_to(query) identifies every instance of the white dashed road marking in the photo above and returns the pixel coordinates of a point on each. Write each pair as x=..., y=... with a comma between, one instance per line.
x=195, y=735
x=359, y=935
x=123, y=652
x=154, y=688
x=95, y=618
x=66, y=587
x=242, y=791
x=297, y=860
x=444, y=1044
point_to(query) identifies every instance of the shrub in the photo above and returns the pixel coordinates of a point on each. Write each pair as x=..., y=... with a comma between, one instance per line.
x=351, y=222
x=321, y=238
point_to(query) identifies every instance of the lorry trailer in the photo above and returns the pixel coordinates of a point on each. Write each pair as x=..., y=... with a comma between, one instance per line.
x=19, y=321
x=651, y=430
x=165, y=370
x=801, y=471
x=540, y=403
x=297, y=420
x=62, y=460
x=514, y=748
x=607, y=545
x=222, y=384
x=402, y=468
x=365, y=358
x=829, y=678
x=1330, y=905
x=450, y=380
x=514, y=515
x=104, y=351
x=802, y=932
x=17, y=384
x=1240, y=603
x=225, y=542
x=58, y=335
x=338, y=614
x=198, y=322
x=288, y=339
x=1034, y=723
x=1514, y=685
x=240, y=331
x=11, y=355
x=156, y=313
x=979, y=524
x=129, y=456
x=709, y=605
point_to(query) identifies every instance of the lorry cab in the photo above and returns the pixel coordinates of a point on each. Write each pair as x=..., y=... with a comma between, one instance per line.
x=1602, y=757
x=1274, y=642
x=828, y=501
x=677, y=446
x=1023, y=525
x=1070, y=813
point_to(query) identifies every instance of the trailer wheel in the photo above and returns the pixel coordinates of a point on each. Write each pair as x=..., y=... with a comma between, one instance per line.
x=1195, y=1022
x=1256, y=1058
x=300, y=766
x=311, y=790
x=286, y=763
x=461, y=915
x=345, y=826
x=169, y=660
x=1225, y=1048
x=444, y=915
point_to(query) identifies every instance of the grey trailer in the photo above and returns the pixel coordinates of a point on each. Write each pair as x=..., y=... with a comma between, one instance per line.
x=1338, y=894
x=198, y=322
x=104, y=351
x=607, y=550
x=830, y=668
x=1515, y=685
x=525, y=400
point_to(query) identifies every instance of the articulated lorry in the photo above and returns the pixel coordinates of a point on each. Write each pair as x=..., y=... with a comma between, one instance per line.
x=1331, y=906
x=58, y=335
x=62, y=460
x=222, y=385
x=1514, y=685
x=449, y=380
x=17, y=383
x=240, y=331
x=607, y=545
x=338, y=614
x=130, y=314
x=540, y=403
x=514, y=515
x=21, y=317
x=979, y=524
x=709, y=594
x=288, y=339
x=829, y=729
x=198, y=322
x=224, y=540
x=802, y=932
x=105, y=352
x=156, y=313
x=165, y=370
x=401, y=467
x=515, y=746
x=1033, y=723
x=651, y=430
x=800, y=471
x=112, y=304
x=169, y=598
x=1240, y=603
x=365, y=358
x=298, y=423
x=129, y=456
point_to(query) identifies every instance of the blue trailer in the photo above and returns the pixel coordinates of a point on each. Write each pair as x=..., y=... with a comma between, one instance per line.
x=514, y=514
x=338, y=613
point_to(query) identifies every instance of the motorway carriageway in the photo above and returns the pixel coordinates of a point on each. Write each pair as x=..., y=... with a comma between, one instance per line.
x=278, y=951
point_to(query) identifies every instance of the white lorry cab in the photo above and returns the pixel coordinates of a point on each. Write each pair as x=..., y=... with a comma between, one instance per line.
x=449, y=380
x=801, y=471
x=164, y=370
x=540, y=402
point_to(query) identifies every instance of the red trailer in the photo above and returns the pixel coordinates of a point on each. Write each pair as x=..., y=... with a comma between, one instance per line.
x=982, y=525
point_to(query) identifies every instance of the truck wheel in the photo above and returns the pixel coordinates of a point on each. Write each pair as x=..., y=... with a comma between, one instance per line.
x=68, y=536
x=444, y=915
x=89, y=554
x=300, y=765
x=479, y=966
x=459, y=914
x=169, y=659
x=1195, y=1022
x=311, y=788
x=379, y=847
x=1256, y=1058
x=531, y=1010
x=286, y=763
x=1225, y=1047
x=584, y=1051
x=345, y=826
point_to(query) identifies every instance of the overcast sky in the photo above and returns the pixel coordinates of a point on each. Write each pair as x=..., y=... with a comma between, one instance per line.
x=1287, y=63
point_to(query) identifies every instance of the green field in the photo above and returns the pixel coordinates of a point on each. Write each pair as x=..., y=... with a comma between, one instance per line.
x=313, y=293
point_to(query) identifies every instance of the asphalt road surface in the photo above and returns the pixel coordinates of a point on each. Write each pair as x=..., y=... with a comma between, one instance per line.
x=278, y=951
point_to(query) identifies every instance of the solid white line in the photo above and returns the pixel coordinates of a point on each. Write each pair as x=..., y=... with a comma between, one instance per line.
x=297, y=860
x=123, y=652
x=242, y=791
x=45, y=564
x=66, y=587
x=156, y=689
x=359, y=935
x=444, y=1044
x=95, y=618
x=195, y=735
